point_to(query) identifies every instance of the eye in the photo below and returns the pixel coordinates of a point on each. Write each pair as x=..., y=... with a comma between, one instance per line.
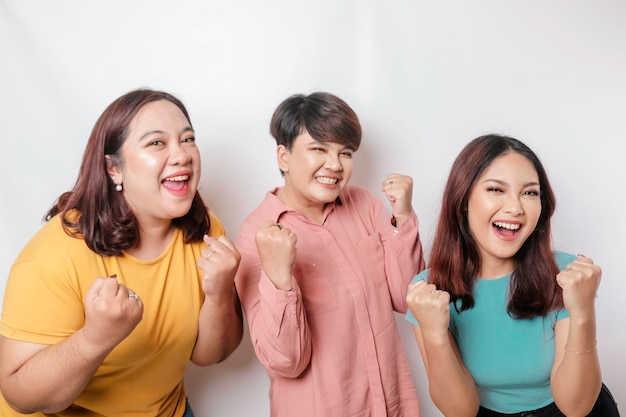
x=494, y=189
x=347, y=154
x=189, y=139
x=532, y=193
x=156, y=142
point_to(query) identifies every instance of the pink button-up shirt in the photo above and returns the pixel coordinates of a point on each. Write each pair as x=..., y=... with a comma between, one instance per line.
x=331, y=345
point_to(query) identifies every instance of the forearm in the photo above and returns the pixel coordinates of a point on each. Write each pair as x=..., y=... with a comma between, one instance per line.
x=403, y=260
x=451, y=388
x=577, y=380
x=280, y=332
x=54, y=377
x=220, y=329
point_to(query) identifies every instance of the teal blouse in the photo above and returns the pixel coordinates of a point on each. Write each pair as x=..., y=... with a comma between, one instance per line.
x=509, y=359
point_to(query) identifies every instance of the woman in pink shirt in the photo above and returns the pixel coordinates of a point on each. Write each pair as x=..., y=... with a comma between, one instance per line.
x=323, y=268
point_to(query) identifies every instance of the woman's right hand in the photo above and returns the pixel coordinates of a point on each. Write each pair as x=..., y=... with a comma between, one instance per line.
x=580, y=281
x=112, y=311
x=277, y=251
x=430, y=307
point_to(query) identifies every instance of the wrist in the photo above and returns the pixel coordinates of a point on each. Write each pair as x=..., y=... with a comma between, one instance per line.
x=398, y=220
x=581, y=318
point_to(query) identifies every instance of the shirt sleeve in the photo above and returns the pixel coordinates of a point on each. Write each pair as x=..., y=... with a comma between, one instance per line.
x=422, y=276
x=403, y=255
x=562, y=259
x=41, y=305
x=276, y=318
x=217, y=228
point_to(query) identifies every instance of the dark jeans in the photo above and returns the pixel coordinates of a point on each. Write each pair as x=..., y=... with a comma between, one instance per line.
x=550, y=410
x=188, y=410
x=605, y=407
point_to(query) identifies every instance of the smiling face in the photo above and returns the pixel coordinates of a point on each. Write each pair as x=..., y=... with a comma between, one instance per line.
x=315, y=173
x=160, y=164
x=503, y=209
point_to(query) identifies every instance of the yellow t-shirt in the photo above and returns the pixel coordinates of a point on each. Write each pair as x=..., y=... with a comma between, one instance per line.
x=143, y=375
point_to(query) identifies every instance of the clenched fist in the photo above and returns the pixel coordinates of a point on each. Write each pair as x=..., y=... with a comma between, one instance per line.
x=399, y=191
x=219, y=262
x=112, y=311
x=277, y=251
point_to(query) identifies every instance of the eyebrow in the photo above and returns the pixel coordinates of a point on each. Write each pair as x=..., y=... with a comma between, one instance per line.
x=327, y=144
x=528, y=184
x=160, y=132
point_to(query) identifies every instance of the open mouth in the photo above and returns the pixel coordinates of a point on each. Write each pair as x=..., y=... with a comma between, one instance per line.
x=507, y=229
x=176, y=183
x=327, y=180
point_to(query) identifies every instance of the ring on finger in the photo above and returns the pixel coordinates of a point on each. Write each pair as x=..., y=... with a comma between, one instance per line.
x=436, y=292
x=133, y=295
x=280, y=226
x=209, y=255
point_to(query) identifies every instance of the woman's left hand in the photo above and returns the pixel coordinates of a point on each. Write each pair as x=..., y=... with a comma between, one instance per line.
x=219, y=261
x=579, y=281
x=398, y=189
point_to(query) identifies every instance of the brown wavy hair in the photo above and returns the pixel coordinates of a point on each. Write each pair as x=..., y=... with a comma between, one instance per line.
x=455, y=258
x=93, y=209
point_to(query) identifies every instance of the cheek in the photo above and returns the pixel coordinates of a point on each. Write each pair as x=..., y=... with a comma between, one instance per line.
x=147, y=160
x=479, y=216
x=480, y=209
x=533, y=213
x=347, y=172
x=196, y=161
x=312, y=160
x=348, y=167
x=472, y=222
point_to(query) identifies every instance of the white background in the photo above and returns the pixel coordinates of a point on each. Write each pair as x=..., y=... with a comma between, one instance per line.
x=425, y=77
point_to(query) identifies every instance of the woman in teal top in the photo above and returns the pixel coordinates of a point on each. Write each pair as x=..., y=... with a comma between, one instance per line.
x=505, y=325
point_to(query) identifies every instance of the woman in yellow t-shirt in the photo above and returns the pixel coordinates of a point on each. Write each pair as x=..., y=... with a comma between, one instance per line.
x=130, y=278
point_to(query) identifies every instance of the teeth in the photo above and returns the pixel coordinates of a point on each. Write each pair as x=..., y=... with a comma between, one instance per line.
x=507, y=225
x=178, y=178
x=326, y=180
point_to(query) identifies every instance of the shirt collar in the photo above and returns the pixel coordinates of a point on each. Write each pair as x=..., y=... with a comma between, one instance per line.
x=276, y=207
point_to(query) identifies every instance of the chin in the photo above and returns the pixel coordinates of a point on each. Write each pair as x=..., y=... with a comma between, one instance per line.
x=179, y=212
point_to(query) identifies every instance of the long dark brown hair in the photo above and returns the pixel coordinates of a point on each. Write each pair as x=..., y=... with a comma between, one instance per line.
x=99, y=214
x=455, y=259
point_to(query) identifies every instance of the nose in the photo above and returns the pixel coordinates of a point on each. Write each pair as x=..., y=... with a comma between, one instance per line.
x=514, y=206
x=333, y=162
x=179, y=155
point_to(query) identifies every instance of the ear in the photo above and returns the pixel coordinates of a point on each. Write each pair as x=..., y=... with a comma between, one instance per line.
x=113, y=169
x=282, y=156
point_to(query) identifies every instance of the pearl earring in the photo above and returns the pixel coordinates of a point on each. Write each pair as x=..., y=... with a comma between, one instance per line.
x=118, y=187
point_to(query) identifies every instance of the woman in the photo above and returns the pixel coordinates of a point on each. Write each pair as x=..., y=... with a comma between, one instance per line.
x=130, y=278
x=505, y=326
x=321, y=315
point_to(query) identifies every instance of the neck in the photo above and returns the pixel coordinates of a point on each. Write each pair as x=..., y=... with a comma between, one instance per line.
x=496, y=268
x=312, y=211
x=153, y=239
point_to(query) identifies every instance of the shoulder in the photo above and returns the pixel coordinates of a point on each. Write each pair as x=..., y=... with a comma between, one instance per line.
x=217, y=228
x=270, y=208
x=563, y=258
x=357, y=191
x=358, y=196
x=53, y=248
x=422, y=276
x=53, y=238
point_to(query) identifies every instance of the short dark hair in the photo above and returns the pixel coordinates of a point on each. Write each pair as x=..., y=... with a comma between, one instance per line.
x=104, y=219
x=326, y=117
x=455, y=259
